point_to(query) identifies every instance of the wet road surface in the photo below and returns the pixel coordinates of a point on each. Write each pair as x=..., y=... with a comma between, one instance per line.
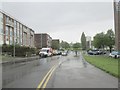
x=76, y=73
x=70, y=72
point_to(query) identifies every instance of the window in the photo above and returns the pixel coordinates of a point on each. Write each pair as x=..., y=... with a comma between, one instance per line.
x=7, y=40
x=7, y=30
x=15, y=33
x=11, y=40
x=1, y=23
x=7, y=19
x=17, y=29
x=1, y=29
x=1, y=19
x=15, y=26
x=1, y=39
x=25, y=38
x=11, y=32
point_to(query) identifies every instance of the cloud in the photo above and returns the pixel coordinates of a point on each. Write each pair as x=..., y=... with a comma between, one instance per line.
x=63, y=19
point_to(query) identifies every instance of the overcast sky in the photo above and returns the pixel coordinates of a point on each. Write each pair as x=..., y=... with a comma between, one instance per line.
x=63, y=20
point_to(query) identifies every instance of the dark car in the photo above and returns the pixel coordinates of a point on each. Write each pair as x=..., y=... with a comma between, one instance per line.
x=93, y=52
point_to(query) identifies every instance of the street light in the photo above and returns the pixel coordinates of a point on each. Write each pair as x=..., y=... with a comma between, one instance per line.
x=41, y=40
x=15, y=41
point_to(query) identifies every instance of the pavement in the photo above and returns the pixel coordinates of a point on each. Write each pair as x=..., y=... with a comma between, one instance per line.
x=11, y=60
x=67, y=72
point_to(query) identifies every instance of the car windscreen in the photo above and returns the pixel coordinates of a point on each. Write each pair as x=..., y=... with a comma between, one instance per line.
x=114, y=53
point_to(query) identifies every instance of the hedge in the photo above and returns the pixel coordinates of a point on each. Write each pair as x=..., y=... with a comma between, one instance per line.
x=19, y=50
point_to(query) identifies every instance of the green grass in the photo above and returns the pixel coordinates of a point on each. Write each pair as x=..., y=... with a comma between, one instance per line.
x=109, y=65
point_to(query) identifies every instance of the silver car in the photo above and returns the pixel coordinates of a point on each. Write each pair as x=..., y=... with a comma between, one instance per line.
x=115, y=54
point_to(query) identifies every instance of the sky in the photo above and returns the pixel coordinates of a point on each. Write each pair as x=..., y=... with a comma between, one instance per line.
x=63, y=20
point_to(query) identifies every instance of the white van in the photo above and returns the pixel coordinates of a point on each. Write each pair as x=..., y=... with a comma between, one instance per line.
x=45, y=52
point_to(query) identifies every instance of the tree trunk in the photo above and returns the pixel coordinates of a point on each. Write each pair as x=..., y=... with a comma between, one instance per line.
x=110, y=49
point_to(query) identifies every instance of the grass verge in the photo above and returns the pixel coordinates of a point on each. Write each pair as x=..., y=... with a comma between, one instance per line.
x=109, y=65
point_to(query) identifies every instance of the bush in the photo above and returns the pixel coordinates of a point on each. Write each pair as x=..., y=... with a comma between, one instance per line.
x=20, y=51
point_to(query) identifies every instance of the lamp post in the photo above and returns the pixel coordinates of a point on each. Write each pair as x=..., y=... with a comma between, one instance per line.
x=14, y=46
x=41, y=40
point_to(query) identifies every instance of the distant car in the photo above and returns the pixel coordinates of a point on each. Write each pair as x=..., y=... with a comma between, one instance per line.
x=114, y=54
x=64, y=53
x=59, y=53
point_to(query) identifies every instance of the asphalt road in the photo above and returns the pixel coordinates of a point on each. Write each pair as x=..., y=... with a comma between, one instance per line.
x=56, y=72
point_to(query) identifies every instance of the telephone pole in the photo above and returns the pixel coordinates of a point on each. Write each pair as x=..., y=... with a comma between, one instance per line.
x=117, y=24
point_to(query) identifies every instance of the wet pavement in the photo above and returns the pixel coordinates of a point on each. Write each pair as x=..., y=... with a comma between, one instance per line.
x=71, y=72
x=77, y=73
x=27, y=74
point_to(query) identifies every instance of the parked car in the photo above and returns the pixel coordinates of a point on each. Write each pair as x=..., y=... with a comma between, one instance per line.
x=101, y=52
x=55, y=52
x=59, y=52
x=64, y=53
x=96, y=52
x=114, y=54
x=93, y=52
x=45, y=52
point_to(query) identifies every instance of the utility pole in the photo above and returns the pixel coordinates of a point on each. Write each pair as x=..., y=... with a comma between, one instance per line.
x=41, y=40
x=117, y=23
x=15, y=40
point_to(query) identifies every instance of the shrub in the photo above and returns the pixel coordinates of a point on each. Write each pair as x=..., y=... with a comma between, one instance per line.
x=20, y=51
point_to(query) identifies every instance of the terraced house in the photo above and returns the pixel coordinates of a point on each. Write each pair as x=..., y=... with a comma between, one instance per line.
x=13, y=32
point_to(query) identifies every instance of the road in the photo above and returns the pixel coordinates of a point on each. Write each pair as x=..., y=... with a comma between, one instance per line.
x=56, y=72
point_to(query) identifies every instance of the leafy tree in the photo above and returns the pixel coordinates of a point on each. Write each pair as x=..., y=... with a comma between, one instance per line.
x=65, y=44
x=55, y=44
x=110, y=39
x=99, y=40
x=76, y=45
x=83, y=41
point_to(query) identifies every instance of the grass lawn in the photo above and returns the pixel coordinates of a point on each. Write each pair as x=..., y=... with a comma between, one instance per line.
x=110, y=65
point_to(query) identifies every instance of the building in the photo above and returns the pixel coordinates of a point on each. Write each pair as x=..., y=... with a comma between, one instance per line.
x=43, y=40
x=117, y=24
x=14, y=32
x=88, y=42
x=55, y=43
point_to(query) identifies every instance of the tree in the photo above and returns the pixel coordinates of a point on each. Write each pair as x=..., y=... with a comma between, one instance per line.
x=55, y=44
x=83, y=41
x=99, y=40
x=76, y=45
x=65, y=44
x=110, y=39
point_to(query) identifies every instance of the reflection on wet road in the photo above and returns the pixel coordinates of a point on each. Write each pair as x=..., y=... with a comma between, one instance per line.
x=14, y=72
x=75, y=72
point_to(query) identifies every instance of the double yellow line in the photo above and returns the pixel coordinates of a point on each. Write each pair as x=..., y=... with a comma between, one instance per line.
x=45, y=80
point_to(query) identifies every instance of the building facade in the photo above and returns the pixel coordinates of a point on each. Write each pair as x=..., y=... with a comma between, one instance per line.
x=1, y=28
x=88, y=42
x=117, y=24
x=43, y=40
x=14, y=32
